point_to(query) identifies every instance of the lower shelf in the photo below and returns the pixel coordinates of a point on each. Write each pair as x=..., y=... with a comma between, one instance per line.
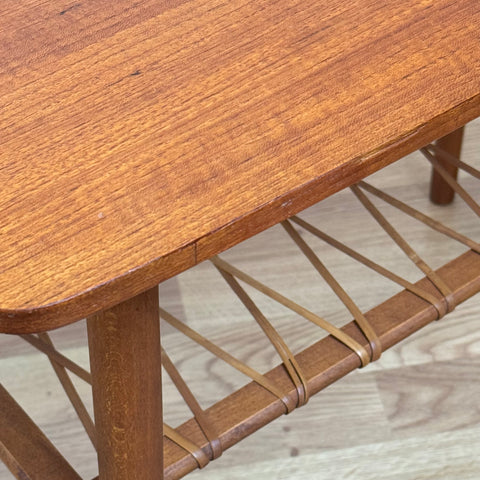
x=238, y=416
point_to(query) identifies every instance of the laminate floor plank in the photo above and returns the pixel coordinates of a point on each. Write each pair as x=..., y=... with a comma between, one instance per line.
x=444, y=456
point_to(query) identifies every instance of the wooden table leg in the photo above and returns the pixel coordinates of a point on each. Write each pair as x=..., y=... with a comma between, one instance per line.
x=125, y=361
x=440, y=191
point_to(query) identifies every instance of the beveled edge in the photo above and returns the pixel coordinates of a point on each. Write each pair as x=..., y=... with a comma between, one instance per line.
x=106, y=295
x=118, y=289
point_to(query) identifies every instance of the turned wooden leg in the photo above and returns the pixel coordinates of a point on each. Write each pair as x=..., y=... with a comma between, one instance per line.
x=125, y=361
x=440, y=191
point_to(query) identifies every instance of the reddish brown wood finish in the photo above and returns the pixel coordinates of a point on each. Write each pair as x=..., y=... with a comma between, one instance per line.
x=24, y=449
x=125, y=359
x=440, y=191
x=141, y=138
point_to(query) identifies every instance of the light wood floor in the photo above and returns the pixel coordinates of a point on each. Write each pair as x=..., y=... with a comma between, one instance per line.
x=414, y=414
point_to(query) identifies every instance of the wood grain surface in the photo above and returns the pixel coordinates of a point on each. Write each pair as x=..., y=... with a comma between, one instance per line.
x=127, y=388
x=139, y=139
x=440, y=191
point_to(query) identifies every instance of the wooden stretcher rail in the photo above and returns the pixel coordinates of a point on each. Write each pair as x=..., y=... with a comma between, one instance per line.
x=26, y=451
x=237, y=416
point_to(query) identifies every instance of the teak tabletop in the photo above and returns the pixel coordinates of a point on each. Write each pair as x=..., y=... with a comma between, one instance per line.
x=140, y=138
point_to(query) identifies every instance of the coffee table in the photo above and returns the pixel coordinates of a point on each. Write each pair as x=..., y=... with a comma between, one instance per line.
x=138, y=140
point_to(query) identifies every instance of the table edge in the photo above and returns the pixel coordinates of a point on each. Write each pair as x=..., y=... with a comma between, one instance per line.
x=135, y=281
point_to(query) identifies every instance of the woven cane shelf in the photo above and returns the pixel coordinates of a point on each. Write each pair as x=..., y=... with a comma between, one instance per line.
x=142, y=140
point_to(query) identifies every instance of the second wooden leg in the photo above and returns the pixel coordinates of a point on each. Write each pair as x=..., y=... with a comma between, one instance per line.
x=125, y=360
x=440, y=191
